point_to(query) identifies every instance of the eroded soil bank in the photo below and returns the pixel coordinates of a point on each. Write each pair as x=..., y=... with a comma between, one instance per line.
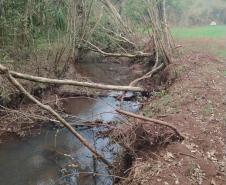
x=196, y=104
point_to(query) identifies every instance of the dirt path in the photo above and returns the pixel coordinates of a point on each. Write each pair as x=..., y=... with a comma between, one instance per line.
x=196, y=104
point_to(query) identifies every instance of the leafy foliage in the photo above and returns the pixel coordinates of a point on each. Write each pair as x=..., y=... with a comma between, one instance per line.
x=135, y=9
x=23, y=21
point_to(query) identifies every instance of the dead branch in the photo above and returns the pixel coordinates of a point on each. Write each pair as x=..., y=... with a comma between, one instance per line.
x=154, y=70
x=71, y=82
x=6, y=72
x=155, y=121
x=147, y=75
x=128, y=55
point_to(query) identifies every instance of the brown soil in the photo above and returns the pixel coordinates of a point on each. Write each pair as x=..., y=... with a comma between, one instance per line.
x=196, y=104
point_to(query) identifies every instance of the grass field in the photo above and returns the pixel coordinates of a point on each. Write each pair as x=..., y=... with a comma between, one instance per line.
x=210, y=39
x=209, y=32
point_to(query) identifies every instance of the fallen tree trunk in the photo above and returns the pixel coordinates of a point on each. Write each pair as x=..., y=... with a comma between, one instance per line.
x=72, y=82
x=10, y=77
x=155, y=121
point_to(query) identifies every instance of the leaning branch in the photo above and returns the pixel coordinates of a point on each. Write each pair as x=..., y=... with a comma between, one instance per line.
x=54, y=113
x=154, y=70
x=72, y=82
x=147, y=75
x=155, y=121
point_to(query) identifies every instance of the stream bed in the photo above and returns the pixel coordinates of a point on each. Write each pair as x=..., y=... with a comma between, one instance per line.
x=56, y=157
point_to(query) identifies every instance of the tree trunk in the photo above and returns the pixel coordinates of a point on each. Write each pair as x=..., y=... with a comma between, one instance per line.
x=2, y=11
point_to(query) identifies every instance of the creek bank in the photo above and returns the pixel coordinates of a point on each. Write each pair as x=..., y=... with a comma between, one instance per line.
x=195, y=104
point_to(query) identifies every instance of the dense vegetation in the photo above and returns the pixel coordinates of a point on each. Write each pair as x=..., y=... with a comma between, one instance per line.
x=23, y=22
x=33, y=24
x=29, y=25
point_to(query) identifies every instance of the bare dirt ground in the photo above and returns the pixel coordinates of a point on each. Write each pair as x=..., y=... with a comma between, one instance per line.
x=196, y=104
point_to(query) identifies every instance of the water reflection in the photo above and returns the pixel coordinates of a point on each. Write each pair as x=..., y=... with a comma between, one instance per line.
x=56, y=157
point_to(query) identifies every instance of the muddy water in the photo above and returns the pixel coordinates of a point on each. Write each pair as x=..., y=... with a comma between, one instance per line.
x=114, y=73
x=55, y=156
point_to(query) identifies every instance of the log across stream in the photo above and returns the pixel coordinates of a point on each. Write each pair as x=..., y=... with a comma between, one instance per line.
x=55, y=157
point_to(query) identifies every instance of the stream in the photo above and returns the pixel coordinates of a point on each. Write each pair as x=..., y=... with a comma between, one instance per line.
x=56, y=157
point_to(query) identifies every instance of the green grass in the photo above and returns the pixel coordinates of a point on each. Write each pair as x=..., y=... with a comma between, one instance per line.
x=212, y=32
x=211, y=39
x=225, y=73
